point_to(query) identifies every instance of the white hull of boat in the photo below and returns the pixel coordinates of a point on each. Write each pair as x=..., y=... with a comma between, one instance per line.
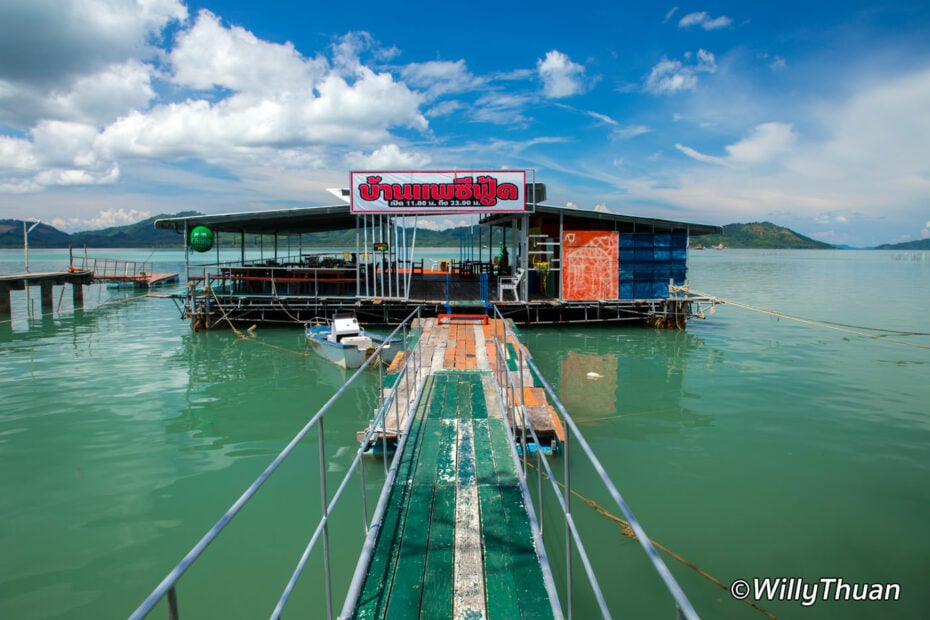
x=345, y=355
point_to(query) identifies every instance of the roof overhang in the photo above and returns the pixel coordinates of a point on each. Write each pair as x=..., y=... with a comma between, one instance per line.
x=278, y=221
x=340, y=217
x=573, y=215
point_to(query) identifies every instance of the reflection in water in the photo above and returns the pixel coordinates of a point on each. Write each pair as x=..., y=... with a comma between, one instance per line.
x=628, y=382
x=275, y=379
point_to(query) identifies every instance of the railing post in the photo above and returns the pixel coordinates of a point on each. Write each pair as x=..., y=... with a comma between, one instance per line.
x=568, y=534
x=173, y=604
x=325, y=503
x=523, y=413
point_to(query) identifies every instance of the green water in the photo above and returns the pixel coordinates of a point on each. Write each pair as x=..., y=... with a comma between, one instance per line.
x=752, y=446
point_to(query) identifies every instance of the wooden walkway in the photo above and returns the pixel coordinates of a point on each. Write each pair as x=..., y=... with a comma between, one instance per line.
x=456, y=539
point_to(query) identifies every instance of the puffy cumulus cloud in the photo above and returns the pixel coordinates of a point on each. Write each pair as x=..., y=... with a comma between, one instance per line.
x=104, y=96
x=265, y=103
x=107, y=218
x=560, y=76
x=925, y=233
x=210, y=55
x=704, y=20
x=97, y=97
x=668, y=77
x=387, y=157
x=272, y=98
x=601, y=208
x=44, y=41
x=56, y=153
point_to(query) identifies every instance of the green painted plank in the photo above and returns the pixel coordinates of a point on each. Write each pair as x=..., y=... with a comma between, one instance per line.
x=437, y=582
x=512, y=358
x=407, y=587
x=529, y=588
x=479, y=405
x=375, y=593
x=498, y=567
x=436, y=445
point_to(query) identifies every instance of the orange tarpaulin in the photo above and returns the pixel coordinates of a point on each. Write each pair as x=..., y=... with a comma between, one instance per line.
x=590, y=264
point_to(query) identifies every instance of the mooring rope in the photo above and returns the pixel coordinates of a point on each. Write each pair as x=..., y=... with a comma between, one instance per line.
x=855, y=330
x=251, y=331
x=627, y=530
x=277, y=300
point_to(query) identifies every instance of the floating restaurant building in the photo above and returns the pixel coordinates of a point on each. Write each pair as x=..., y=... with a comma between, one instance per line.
x=537, y=263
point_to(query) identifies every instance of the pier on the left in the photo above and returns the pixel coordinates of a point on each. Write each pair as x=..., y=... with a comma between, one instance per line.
x=45, y=281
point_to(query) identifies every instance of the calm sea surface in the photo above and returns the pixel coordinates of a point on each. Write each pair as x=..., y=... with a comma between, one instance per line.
x=751, y=445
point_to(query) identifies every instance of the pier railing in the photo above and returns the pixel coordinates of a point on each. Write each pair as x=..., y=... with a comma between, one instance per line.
x=575, y=447
x=412, y=364
x=116, y=270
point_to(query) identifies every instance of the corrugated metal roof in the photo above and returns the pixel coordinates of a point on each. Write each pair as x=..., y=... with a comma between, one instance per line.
x=282, y=221
x=340, y=217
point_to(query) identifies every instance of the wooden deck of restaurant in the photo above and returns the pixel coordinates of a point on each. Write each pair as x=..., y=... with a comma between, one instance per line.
x=283, y=292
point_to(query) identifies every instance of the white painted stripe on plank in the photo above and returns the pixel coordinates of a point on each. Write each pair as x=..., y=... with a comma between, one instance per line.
x=468, y=587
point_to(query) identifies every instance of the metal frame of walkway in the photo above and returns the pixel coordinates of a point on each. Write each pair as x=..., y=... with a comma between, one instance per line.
x=455, y=531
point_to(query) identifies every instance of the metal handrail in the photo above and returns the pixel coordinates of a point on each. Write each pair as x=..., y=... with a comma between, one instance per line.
x=168, y=586
x=512, y=403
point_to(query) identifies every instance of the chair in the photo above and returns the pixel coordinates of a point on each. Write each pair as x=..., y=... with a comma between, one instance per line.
x=510, y=283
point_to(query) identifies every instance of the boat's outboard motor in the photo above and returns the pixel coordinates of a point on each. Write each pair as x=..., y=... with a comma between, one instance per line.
x=345, y=324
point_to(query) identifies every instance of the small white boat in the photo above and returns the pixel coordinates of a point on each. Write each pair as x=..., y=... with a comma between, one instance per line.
x=345, y=343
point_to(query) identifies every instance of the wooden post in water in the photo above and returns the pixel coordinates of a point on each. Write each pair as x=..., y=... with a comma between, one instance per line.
x=77, y=294
x=5, y=291
x=47, y=303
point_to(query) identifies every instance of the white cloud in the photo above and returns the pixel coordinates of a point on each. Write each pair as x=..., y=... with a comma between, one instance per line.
x=103, y=96
x=501, y=109
x=765, y=142
x=671, y=12
x=693, y=154
x=107, y=218
x=278, y=99
x=601, y=208
x=561, y=77
x=210, y=55
x=704, y=20
x=387, y=157
x=43, y=42
x=668, y=77
x=440, y=77
x=861, y=154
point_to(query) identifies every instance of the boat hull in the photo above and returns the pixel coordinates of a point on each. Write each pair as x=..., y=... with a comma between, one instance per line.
x=346, y=356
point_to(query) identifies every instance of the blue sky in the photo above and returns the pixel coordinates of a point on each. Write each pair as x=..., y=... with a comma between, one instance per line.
x=813, y=115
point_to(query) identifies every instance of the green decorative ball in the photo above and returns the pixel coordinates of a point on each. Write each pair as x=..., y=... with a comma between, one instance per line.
x=201, y=239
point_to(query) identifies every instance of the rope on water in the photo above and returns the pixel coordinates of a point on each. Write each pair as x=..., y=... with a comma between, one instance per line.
x=855, y=330
x=627, y=530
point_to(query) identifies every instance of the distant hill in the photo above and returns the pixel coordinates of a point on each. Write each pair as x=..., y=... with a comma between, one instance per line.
x=761, y=235
x=139, y=235
x=42, y=236
x=144, y=235
x=923, y=244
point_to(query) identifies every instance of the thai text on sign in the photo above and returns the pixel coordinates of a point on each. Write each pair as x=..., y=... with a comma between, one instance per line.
x=472, y=191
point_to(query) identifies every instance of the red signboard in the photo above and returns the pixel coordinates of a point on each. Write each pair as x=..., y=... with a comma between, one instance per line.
x=438, y=192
